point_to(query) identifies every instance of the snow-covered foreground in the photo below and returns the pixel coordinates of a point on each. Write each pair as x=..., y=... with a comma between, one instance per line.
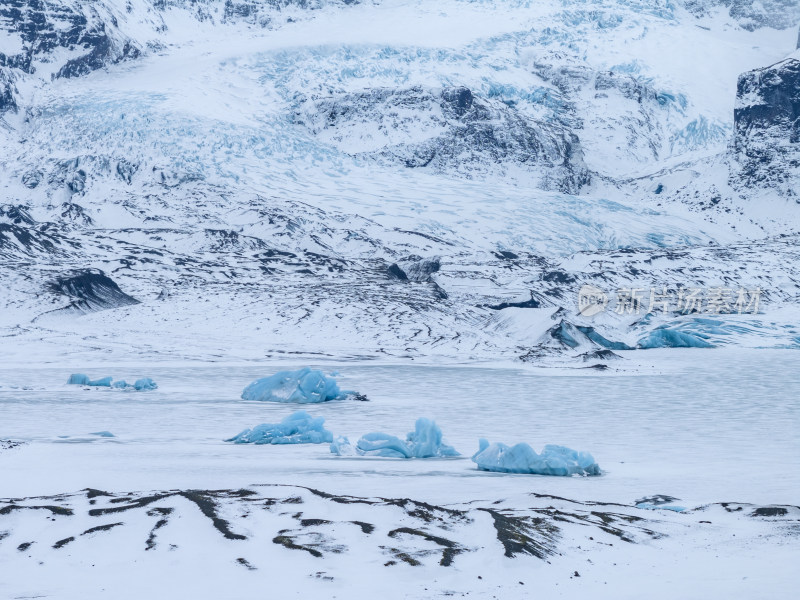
x=715, y=429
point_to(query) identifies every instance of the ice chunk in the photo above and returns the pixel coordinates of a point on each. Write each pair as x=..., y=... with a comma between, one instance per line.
x=105, y=434
x=305, y=386
x=383, y=444
x=298, y=428
x=140, y=385
x=144, y=384
x=424, y=442
x=554, y=460
x=341, y=446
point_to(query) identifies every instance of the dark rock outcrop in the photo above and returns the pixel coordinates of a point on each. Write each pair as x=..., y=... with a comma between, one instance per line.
x=449, y=130
x=767, y=127
x=90, y=291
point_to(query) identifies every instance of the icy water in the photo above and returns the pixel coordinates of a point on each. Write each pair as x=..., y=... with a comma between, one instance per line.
x=705, y=426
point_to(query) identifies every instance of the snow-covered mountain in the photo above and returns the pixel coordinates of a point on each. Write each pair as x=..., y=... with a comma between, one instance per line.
x=396, y=178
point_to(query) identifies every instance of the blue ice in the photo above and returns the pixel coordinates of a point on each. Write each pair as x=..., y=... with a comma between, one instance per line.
x=144, y=384
x=305, y=386
x=298, y=428
x=81, y=379
x=140, y=385
x=554, y=460
x=424, y=442
x=672, y=338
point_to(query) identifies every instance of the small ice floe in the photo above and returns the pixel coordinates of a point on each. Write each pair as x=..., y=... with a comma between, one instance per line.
x=553, y=460
x=139, y=385
x=424, y=442
x=298, y=428
x=659, y=502
x=81, y=379
x=96, y=436
x=306, y=386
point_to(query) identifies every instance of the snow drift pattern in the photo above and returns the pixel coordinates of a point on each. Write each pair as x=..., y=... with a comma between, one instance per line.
x=424, y=442
x=305, y=386
x=554, y=460
x=298, y=428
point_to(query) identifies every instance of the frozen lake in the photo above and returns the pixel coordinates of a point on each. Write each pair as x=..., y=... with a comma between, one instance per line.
x=706, y=426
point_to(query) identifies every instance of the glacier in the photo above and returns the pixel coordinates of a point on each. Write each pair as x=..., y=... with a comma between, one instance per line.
x=424, y=442
x=522, y=459
x=298, y=428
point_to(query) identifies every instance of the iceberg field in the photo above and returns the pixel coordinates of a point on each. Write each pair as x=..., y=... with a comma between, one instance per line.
x=521, y=458
x=424, y=442
x=298, y=428
x=306, y=386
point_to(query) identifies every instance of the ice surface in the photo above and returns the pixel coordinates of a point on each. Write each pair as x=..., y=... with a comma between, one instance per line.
x=298, y=428
x=424, y=442
x=102, y=382
x=554, y=460
x=78, y=379
x=305, y=386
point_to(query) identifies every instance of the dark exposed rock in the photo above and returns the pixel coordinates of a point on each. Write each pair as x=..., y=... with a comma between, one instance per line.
x=658, y=500
x=91, y=291
x=532, y=303
x=767, y=127
x=44, y=27
x=452, y=130
x=18, y=215
x=420, y=269
x=8, y=91
x=603, y=354
x=395, y=272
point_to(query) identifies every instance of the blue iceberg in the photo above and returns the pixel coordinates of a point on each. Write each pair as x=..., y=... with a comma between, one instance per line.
x=306, y=386
x=554, y=460
x=424, y=442
x=140, y=385
x=144, y=384
x=81, y=379
x=298, y=428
